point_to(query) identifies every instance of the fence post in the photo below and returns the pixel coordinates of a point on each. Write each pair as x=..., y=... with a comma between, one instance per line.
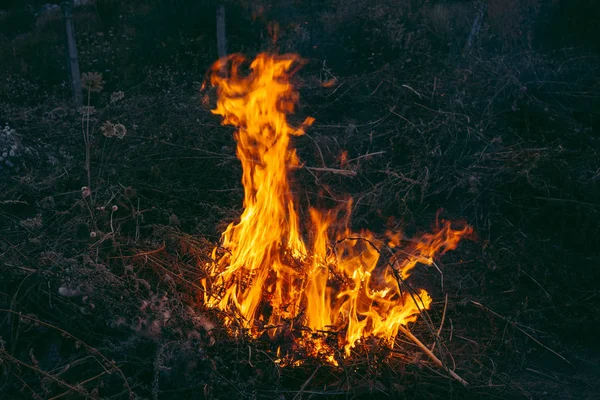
x=72, y=58
x=476, y=26
x=221, y=39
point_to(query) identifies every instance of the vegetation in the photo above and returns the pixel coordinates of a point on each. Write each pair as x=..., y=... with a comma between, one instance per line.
x=109, y=212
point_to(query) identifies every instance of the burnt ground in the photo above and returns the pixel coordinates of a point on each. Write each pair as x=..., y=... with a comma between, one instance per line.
x=103, y=301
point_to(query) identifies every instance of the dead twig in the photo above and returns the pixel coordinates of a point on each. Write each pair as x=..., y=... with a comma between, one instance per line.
x=439, y=331
x=25, y=385
x=80, y=384
x=87, y=346
x=146, y=253
x=377, y=153
x=344, y=172
x=413, y=90
x=75, y=389
x=516, y=326
x=303, y=387
x=432, y=356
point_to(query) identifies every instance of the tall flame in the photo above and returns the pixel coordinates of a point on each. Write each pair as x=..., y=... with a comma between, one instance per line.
x=269, y=276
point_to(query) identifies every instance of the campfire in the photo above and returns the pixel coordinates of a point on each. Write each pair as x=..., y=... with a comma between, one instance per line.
x=311, y=279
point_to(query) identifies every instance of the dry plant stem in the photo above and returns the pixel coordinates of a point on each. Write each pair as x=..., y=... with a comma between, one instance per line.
x=87, y=346
x=79, y=384
x=25, y=385
x=146, y=253
x=303, y=387
x=250, y=356
x=318, y=148
x=167, y=270
x=516, y=326
x=376, y=153
x=430, y=354
x=112, y=229
x=376, y=89
x=413, y=90
x=434, y=89
x=333, y=171
x=439, y=331
x=90, y=210
x=324, y=186
x=47, y=375
x=86, y=139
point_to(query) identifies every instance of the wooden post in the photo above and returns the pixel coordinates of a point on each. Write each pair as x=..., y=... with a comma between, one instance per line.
x=221, y=40
x=476, y=26
x=72, y=58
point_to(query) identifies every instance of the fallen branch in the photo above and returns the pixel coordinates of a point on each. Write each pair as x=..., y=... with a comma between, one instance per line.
x=344, y=172
x=432, y=356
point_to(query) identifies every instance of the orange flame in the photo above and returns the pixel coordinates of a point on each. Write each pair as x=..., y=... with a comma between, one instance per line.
x=269, y=275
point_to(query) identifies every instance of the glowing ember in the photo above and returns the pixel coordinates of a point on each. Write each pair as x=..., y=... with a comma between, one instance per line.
x=270, y=278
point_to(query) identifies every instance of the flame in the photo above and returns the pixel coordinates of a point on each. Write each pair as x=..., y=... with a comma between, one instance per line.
x=278, y=270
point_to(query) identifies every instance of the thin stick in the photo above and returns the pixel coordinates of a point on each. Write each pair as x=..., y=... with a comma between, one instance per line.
x=92, y=350
x=81, y=391
x=318, y=148
x=25, y=385
x=147, y=253
x=367, y=155
x=439, y=331
x=333, y=171
x=434, y=89
x=430, y=354
x=301, y=391
x=79, y=384
x=413, y=90
x=516, y=325
x=441, y=273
